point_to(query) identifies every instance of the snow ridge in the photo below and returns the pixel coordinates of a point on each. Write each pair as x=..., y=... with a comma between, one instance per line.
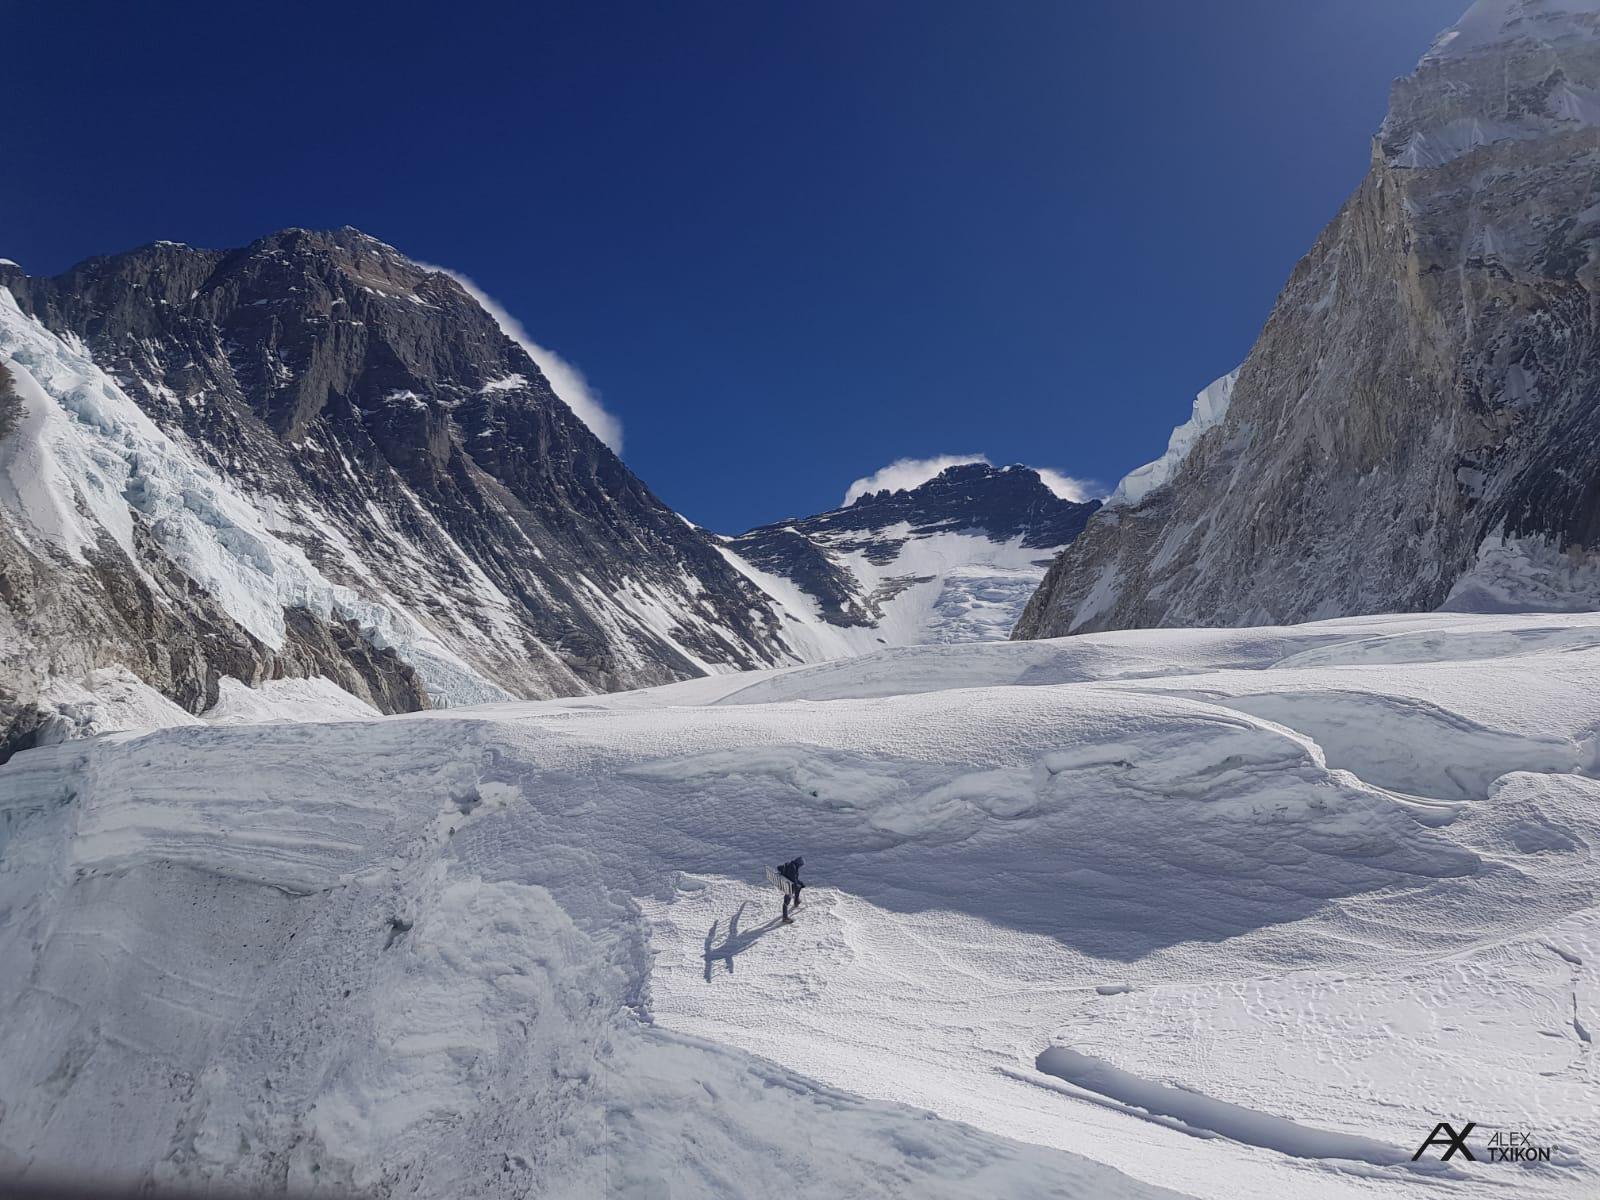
x=1210, y=407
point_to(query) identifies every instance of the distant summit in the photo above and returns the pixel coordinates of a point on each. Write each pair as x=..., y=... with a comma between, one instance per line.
x=1002, y=502
x=953, y=559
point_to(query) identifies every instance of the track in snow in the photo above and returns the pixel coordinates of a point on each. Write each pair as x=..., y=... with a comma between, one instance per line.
x=1204, y=1114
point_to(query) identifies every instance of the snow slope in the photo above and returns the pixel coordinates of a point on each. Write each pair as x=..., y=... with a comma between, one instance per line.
x=115, y=700
x=1234, y=912
x=285, y=700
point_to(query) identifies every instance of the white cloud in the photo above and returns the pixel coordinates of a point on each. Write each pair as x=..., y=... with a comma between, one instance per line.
x=907, y=473
x=1067, y=486
x=565, y=378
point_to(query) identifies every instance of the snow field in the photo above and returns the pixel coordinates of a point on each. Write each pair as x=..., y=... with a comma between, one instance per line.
x=1167, y=909
x=115, y=700
x=315, y=974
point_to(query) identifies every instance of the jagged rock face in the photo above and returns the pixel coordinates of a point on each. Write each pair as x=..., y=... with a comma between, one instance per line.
x=379, y=422
x=1417, y=425
x=951, y=560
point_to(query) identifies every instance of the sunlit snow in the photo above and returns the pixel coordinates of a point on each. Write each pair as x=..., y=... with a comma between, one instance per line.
x=1236, y=912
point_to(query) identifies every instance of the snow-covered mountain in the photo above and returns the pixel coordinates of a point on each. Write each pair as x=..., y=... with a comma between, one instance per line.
x=314, y=457
x=1237, y=913
x=1419, y=423
x=953, y=559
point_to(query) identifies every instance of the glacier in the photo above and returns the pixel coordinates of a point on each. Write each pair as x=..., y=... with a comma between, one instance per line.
x=1211, y=912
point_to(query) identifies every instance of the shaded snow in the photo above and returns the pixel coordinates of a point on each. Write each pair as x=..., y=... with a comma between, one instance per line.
x=1205, y=1115
x=1527, y=574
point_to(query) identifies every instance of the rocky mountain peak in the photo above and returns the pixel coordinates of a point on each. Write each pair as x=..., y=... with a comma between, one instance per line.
x=313, y=455
x=316, y=421
x=1416, y=425
x=1508, y=71
x=1000, y=502
x=951, y=559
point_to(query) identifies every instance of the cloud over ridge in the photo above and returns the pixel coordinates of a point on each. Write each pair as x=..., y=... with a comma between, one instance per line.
x=565, y=379
x=903, y=474
x=1069, y=487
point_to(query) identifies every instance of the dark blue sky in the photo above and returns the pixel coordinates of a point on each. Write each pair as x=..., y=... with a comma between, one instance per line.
x=786, y=241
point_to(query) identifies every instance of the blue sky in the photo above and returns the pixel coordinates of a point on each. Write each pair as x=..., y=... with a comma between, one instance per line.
x=786, y=242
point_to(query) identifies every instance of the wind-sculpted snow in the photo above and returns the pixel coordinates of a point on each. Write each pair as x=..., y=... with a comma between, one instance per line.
x=1135, y=813
x=1078, y=909
x=1379, y=737
x=1449, y=640
x=1199, y=1112
x=322, y=976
